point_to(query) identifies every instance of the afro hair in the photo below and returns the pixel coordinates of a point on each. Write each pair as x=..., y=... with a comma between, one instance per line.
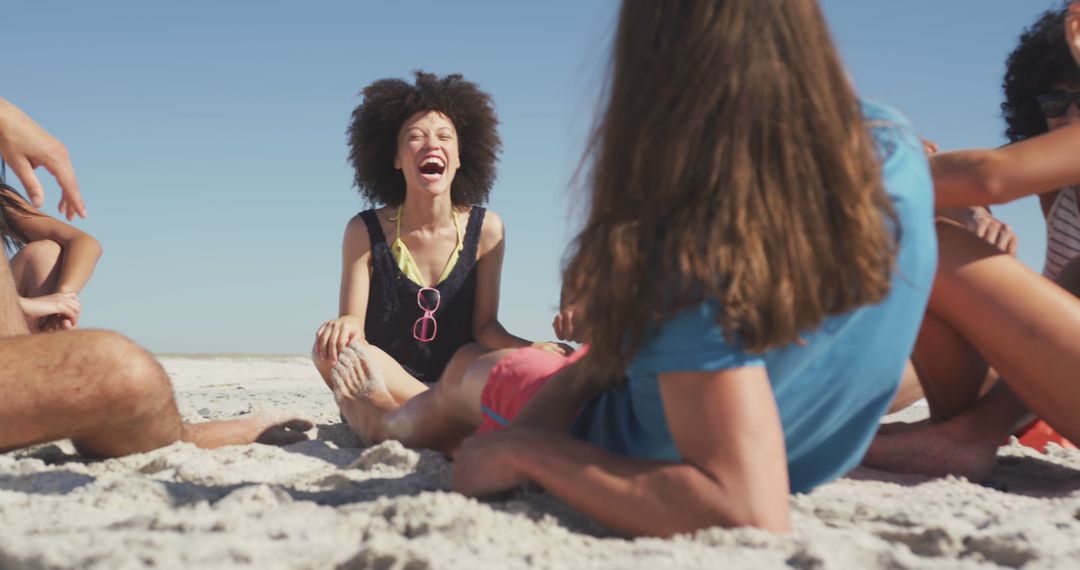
x=1041, y=59
x=387, y=103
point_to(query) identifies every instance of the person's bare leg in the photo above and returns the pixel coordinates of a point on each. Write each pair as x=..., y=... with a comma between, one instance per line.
x=99, y=389
x=1026, y=327
x=438, y=418
x=964, y=445
x=950, y=371
x=995, y=303
x=400, y=383
x=102, y=391
x=910, y=390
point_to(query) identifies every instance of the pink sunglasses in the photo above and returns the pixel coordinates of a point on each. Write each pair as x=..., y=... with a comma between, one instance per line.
x=425, y=327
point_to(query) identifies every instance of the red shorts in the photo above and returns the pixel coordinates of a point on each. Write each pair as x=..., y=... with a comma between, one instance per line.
x=514, y=381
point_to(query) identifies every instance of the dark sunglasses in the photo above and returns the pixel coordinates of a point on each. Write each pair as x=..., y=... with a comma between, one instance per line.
x=1056, y=103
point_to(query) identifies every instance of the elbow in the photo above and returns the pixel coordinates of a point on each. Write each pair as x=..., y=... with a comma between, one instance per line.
x=93, y=247
x=991, y=179
x=85, y=247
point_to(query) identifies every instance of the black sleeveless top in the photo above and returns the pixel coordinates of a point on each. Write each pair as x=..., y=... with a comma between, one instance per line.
x=392, y=308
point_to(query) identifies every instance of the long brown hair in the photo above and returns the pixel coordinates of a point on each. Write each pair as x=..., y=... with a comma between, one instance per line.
x=11, y=202
x=732, y=164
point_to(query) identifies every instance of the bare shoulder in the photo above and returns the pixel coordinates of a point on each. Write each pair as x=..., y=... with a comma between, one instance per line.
x=357, y=241
x=492, y=233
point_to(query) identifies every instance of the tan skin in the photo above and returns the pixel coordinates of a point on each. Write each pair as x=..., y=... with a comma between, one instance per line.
x=102, y=391
x=723, y=480
x=51, y=269
x=429, y=233
x=1029, y=337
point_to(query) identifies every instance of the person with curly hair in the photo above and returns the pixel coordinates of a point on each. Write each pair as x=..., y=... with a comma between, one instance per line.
x=421, y=271
x=1042, y=94
x=992, y=321
x=735, y=272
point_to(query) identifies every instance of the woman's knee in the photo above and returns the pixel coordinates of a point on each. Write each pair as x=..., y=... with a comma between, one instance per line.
x=33, y=265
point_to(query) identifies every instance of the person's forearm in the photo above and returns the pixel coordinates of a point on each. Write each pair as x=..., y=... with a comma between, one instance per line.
x=995, y=176
x=80, y=258
x=635, y=496
x=494, y=336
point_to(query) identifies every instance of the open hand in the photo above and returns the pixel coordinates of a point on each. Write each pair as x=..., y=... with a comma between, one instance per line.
x=24, y=145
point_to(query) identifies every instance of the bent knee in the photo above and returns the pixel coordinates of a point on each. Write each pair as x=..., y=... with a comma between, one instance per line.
x=131, y=378
x=33, y=263
x=41, y=250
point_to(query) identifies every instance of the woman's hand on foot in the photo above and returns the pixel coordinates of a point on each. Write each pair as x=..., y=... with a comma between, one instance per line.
x=334, y=335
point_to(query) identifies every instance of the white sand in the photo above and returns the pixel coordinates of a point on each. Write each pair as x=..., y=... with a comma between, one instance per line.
x=326, y=503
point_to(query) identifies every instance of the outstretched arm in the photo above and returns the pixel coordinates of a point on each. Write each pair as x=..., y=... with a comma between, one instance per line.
x=334, y=335
x=1035, y=166
x=726, y=427
x=994, y=176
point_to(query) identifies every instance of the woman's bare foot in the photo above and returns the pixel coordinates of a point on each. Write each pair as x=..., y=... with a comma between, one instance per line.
x=947, y=448
x=361, y=393
x=272, y=429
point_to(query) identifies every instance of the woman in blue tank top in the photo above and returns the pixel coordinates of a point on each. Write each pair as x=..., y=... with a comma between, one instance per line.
x=420, y=273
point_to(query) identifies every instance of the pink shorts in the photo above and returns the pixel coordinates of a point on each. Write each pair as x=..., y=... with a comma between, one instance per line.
x=514, y=381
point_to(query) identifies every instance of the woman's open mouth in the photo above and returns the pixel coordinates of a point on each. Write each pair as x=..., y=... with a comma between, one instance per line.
x=432, y=168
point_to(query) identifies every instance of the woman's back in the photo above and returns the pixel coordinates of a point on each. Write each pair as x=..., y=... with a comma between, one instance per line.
x=831, y=388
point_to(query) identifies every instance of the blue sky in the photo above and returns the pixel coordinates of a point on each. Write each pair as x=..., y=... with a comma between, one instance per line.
x=209, y=137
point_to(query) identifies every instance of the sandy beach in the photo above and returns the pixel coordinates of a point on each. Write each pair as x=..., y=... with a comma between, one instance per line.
x=329, y=503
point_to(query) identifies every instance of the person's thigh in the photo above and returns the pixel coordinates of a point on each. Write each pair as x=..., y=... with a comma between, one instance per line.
x=1025, y=326
x=94, y=387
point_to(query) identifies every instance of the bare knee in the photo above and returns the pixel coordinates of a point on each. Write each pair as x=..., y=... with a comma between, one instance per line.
x=33, y=266
x=133, y=382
